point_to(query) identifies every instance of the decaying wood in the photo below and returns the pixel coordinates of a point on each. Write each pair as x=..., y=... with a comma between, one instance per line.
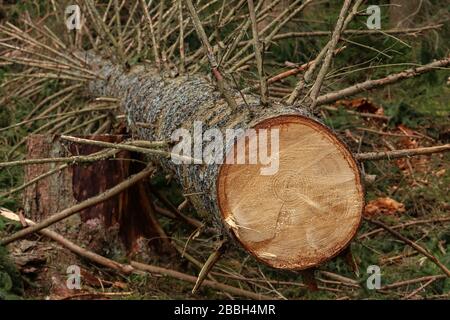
x=80, y=206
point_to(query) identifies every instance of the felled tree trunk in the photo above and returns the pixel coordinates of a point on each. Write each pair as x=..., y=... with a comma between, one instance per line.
x=304, y=213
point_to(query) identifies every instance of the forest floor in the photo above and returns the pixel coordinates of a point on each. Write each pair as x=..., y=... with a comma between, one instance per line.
x=403, y=191
x=410, y=195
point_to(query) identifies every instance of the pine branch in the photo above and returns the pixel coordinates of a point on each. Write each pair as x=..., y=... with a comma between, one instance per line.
x=222, y=84
x=373, y=84
x=80, y=206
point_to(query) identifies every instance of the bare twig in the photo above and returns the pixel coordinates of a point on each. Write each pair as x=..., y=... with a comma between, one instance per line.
x=135, y=266
x=122, y=146
x=412, y=244
x=361, y=114
x=97, y=294
x=103, y=29
x=403, y=225
x=318, y=60
x=182, y=53
x=395, y=154
x=155, y=44
x=207, y=283
x=412, y=294
x=356, y=32
x=259, y=52
x=412, y=281
x=222, y=84
x=372, y=84
x=136, y=146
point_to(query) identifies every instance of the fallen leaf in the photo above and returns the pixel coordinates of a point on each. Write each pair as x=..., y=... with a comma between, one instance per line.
x=361, y=105
x=440, y=173
x=383, y=206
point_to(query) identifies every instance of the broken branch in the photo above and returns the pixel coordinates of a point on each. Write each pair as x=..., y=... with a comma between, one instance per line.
x=401, y=153
x=412, y=244
x=372, y=84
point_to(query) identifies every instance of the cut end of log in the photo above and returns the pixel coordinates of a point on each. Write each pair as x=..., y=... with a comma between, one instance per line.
x=305, y=213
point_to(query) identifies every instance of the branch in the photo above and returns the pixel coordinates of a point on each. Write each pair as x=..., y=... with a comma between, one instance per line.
x=288, y=73
x=192, y=279
x=182, y=53
x=243, y=30
x=258, y=54
x=412, y=244
x=101, y=155
x=356, y=32
x=209, y=264
x=133, y=146
x=291, y=11
x=222, y=85
x=361, y=114
x=80, y=206
x=103, y=29
x=372, y=84
x=401, y=153
x=70, y=245
x=309, y=74
x=403, y=225
x=329, y=56
x=178, y=214
x=122, y=146
x=412, y=281
x=155, y=44
x=135, y=266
